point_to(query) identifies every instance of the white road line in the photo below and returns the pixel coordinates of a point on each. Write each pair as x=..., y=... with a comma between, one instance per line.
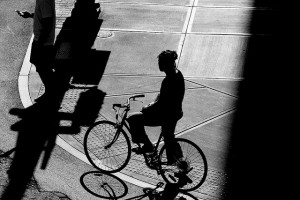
x=186, y=22
x=24, y=91
x=183, y=32
x=26, y=66
x=144, y=4
x=138, y=31
x=207, y=121
x=191, y=20
x=186, y=28
x=23, y=79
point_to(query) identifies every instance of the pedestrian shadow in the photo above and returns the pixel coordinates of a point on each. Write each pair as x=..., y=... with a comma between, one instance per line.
x=75, y=68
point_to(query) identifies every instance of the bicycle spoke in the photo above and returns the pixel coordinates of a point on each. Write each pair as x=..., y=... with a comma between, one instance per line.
x=196, y=160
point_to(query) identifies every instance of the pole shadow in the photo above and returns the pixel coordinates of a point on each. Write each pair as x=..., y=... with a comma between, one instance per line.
x=40, y=123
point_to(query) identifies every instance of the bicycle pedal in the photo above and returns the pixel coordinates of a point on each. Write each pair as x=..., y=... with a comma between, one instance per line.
x=183, y=177
x=172, y=177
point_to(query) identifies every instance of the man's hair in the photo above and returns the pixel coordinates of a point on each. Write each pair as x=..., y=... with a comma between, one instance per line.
x=168, y=55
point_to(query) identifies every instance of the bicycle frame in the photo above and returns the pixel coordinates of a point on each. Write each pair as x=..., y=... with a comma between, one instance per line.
x=119, y=125
x=123, y=123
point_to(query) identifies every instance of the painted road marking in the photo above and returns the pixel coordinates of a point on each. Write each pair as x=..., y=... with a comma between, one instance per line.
x=24, y=91
x=207, y=121
x=183, y=32
x=23, y=80
x=189, y=28
x=26, y=66
x=186, y=27
x=138, y=30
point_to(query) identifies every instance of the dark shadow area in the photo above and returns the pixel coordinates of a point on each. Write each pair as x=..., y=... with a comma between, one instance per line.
x=40, y=123
x=91, y=75
x=33, y=188
x=75, y=57
x=262, y=138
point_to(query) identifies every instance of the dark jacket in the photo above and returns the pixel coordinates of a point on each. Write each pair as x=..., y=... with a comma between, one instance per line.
x=169, y=101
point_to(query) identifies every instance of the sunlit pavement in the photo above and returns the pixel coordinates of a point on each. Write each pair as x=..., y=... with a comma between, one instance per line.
x=210, y=38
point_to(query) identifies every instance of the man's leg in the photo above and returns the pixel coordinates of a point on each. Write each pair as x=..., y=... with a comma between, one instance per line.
x=42, y=57
x=47, y=76
x=173, y=149
x=136, y=122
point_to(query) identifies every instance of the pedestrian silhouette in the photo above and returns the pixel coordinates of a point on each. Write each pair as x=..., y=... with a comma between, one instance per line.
x=42, y=52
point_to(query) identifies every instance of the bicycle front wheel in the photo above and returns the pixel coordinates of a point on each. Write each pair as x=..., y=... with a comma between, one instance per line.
x=195, y=159
x=106, y=149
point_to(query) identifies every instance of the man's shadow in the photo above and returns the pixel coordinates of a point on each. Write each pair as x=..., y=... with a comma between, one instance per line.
x=75, y=67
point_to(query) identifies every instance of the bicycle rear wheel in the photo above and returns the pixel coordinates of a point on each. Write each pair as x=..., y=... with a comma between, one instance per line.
x=101, y=152
x=194, y=157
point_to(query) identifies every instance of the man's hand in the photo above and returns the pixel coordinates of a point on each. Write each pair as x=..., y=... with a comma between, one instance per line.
x=147, y=106
x=25, y=14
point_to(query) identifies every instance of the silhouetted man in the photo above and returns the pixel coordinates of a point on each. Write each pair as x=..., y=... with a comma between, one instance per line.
x=165, y=111
x=42, y=53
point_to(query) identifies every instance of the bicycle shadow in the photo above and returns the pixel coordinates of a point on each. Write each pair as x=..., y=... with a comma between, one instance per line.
x=40, y=123
x=109, y=186
x=103, y=185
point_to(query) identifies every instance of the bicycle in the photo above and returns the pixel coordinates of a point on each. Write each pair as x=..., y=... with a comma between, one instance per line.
x=108, y=148
x=108, y=186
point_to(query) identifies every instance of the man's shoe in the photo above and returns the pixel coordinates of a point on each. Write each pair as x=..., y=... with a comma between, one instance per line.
x=183, y=166
x=144, y=149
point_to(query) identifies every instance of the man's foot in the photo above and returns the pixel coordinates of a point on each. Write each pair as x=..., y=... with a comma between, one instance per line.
x=147, y=148
x=144, y=149
x=183, y=165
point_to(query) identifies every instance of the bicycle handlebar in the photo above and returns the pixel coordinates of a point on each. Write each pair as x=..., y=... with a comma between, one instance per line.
x=132, y=98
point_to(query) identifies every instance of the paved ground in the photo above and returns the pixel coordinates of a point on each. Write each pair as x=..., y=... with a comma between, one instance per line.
x=210, y=59
x=211, y=40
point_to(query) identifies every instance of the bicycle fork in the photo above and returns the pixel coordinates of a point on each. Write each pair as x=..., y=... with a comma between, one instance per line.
x=116, y=136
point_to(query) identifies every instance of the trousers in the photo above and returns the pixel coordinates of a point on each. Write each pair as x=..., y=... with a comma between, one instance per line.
x=137, y=122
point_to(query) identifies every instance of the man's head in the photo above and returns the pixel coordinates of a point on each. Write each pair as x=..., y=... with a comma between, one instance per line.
x=166, y=60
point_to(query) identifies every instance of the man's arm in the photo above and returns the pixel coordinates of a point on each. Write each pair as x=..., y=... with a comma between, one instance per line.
x=25, y=14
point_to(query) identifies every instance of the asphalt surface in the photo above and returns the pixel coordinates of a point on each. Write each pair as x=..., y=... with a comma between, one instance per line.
x=133, y=43
x=211, y=37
